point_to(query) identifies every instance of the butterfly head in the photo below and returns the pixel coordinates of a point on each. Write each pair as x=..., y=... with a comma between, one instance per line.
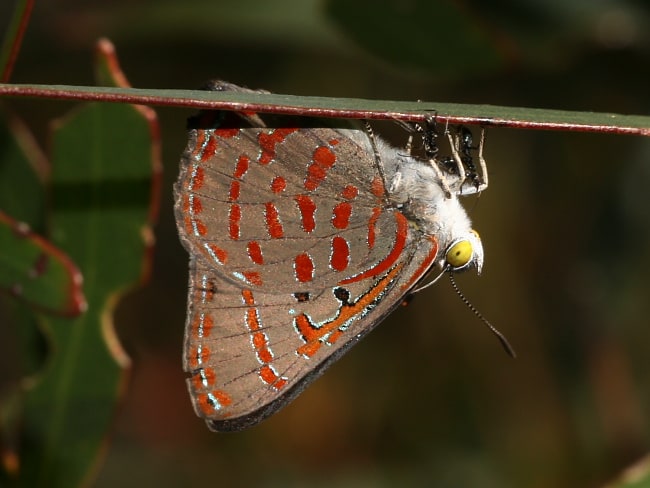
x=464, y=253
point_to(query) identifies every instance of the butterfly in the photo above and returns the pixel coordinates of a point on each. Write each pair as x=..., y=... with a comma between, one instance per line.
x=303, y=235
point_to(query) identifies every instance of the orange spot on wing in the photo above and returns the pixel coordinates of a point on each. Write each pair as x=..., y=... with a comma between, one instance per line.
x=323, y=159
x=280, y=383
x=268, y=375
x=222, y=397
x=259, y=340
x=278, y=184
x=253, y=277
x=202, y=325
x=204, y=404
x=340, y=257
x=201, y=229
x=210, y=149
x=304, y=267
x=208, y=325
x=247, y=296
x=334, y=336
x=309, y=349
x=221, y=254
x=242, y=166
x=350, y=192
x=303, y=324
x=255, y=252
x=252, y=321
x=260, y=344
x=197, y=206
x=198, y=356
x=307, y=209
x=269, y=140
x=233, y=221
x=341, y=216
x=264, y=355
x=235, y=189
x=273, y=223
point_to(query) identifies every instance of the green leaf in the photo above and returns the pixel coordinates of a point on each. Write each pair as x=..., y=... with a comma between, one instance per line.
x=102, y=189
x=31, y=268
x=35, y=271
x=13, y=37
x=22, y=172
x=21, y=195
x=452, y=113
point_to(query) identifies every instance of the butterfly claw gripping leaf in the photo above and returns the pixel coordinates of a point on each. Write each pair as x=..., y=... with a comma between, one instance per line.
x=302, y=237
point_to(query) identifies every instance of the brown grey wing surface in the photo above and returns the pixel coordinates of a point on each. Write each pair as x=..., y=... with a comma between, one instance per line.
x=295, y=256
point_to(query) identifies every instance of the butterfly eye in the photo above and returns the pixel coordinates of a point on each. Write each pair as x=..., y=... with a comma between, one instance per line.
x=460, y=254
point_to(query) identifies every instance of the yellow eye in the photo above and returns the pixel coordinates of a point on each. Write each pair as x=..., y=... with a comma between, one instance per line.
x=460, y=254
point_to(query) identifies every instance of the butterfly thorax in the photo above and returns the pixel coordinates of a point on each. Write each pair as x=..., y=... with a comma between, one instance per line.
x=416, y=189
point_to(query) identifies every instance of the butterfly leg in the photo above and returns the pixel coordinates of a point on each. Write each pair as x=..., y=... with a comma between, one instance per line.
x=454, y=144
x=429, y=136
x=483, y=180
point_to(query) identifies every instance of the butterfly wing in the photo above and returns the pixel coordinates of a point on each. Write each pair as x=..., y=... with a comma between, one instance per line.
x=295, y=255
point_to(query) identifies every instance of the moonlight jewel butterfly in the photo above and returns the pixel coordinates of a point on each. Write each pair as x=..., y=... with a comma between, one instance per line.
x=303, y=235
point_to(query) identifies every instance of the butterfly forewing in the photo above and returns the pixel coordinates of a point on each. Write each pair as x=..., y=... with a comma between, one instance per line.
x=284, y=217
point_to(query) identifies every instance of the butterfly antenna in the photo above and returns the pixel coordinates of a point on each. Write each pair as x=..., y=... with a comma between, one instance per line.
x=504, y=342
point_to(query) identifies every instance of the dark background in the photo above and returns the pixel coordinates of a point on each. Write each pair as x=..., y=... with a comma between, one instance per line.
x=429, y=399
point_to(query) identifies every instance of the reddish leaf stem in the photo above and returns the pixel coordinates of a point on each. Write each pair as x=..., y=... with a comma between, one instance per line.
x=520, y=118
x=18, y=32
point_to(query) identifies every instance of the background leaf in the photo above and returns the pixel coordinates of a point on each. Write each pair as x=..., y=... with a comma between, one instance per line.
x=101, y=195
x=35, y=271
x=104, y=169
x=31, y=267
x=23, y=170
